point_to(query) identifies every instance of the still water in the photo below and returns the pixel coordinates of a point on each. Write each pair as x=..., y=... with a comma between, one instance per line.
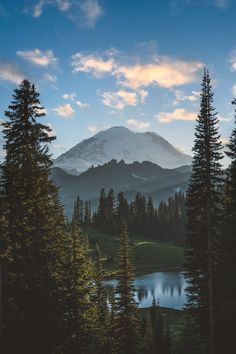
x=167, y=287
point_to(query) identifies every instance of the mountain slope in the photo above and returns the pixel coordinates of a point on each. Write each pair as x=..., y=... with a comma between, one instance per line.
x=121, y=144
x=146, y=177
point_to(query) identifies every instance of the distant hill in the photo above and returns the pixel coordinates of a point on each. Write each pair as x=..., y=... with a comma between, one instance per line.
x=145, y=177
x=121, y=143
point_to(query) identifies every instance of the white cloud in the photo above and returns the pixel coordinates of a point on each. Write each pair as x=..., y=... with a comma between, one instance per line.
x=177, y=114
x=9, y=71
x=69, y=96
x=93, y=64
x=222, y=3
x=38, y=8
x=91, y=12
x=234, y=90
x=180, y=96
x=140, y=125
x=122, y=98
x=58, y=147
x=95, y=128
x=38, y=57
x=50, y=77
x=52, y=132
x=82, y=105
x=65, y=111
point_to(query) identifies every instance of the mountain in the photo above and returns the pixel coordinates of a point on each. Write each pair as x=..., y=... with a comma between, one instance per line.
x=145, y=177
x=121, y=143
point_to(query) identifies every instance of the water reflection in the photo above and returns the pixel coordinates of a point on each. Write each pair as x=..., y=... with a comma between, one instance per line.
x=168, y=287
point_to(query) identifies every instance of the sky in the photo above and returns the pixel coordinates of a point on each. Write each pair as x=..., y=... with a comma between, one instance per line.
x=135, y=63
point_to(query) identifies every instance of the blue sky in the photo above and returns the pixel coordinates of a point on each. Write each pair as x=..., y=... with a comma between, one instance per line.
x=136, y=63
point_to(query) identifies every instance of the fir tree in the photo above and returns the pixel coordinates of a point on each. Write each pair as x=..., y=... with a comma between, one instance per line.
x=126, y=317
x=204, y=215
x=34, y=222
x=228, y=264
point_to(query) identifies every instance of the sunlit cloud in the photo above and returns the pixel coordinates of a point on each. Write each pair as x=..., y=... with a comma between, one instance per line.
x=122, y=98
x=91, y=12
x=166, y=73
x=50, y=77
x=234, y=90
x=95, y=128
x=138, y=124
x=177, y=114
x=9, y=71
x=64, y=111
x=38, y=57
x=93, y=64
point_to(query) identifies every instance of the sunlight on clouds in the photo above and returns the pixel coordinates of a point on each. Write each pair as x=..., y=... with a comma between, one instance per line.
x=69, y=96
x=180, y=96
x=65, y=111
x=177, y=114
x=38, y=57
x=50, y=77
x=91, y=63
x=234, y=90
x=120, y=99
x=140, y=125
x=166, y=73
x=95, y=128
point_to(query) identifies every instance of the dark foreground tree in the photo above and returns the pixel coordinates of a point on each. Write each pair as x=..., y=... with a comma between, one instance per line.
x=126, y=325
x=33, y=223
x=204, y=216
x=226, y=333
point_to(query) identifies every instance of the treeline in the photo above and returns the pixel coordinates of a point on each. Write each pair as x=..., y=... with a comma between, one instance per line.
x=52, y=298
x=165, y=223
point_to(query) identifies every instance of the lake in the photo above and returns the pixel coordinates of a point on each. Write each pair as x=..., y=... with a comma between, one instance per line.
x=167, y=287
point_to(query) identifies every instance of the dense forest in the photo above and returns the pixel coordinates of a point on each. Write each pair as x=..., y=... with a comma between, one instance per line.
x=52, y=294
x=165, y=223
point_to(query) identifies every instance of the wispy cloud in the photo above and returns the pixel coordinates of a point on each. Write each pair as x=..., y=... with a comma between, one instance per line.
x=38, y=57
x=93, y=64
x=50, y=77
x=69, y=96
x=138, y=124
x=65, y=111
x=177, y=114
x=87, y=12
x=95, y=128
x=120, y=99
x=82, y=105
x=181, y=96
x=9, y=71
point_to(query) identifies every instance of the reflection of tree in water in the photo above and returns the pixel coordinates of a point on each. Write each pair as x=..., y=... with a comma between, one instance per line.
x=142, y=293
x=172, y=284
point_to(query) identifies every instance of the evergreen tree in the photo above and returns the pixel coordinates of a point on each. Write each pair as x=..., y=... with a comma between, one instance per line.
x=228, y=264
x=204, y=216
x=126, y=310
x=34, y=223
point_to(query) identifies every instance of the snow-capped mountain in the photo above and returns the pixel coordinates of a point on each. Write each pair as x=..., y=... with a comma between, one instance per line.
x=121, y=143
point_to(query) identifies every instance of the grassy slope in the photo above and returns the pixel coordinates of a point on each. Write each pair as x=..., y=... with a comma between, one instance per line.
x=148, y=256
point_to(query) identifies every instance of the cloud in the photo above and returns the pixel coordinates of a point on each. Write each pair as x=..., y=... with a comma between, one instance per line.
x=180, y=96
x=120, y=99
x=50, y=77
x=87, y=12
x=234, y=90
x=159, y=70
x=9, y=71
x=91, y=12
x=38, y=57
x=92, y=64
x=82, y=105
x=58, y=147
x=95, y=128
x=177, y=114
x=166, y=73
x=140, y=125
x=222, y=3
x=65, y=111
x=69, y=96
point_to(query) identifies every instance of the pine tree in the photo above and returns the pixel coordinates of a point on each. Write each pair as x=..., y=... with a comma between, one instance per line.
x=126, y=310
x=34, y=222
x=228, y=264
x=204, y=216
x=81, y=312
